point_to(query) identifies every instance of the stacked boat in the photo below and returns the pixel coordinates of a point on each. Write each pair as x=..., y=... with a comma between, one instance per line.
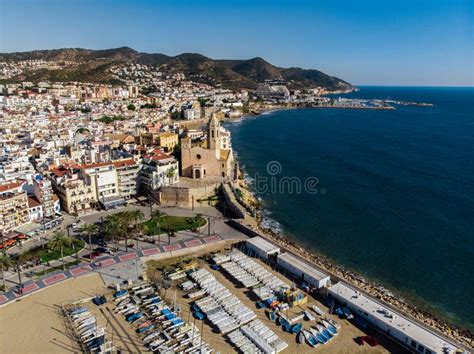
x=256, y=270
x=238, y=273
x=91, y=336
x=256, y=329
x=161, y=327
x=221, y=307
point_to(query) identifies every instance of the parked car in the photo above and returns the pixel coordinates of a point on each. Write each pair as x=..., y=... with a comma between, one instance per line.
x=92, y=255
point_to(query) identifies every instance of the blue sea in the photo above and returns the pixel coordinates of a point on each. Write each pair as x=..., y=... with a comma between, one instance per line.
x=392, y=192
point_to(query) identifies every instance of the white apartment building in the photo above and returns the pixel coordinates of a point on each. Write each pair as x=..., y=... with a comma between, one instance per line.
x=158, y=170
x=103, y=179
x=127, y=175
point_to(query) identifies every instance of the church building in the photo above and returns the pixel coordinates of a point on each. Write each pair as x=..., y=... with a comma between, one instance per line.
x=207, y=160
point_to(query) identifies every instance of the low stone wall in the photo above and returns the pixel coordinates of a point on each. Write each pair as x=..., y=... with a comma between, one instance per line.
x=235, y=208
x=243, y=228
x=179, y=195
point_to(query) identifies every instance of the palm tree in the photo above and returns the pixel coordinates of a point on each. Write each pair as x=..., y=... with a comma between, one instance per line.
x=59, y=242
x=170, y=173
x=126, y=219
x=112, y=228
x=137, y=216
x=18, y=261
x=156, y=217
x=5, y=263
x=89, y=230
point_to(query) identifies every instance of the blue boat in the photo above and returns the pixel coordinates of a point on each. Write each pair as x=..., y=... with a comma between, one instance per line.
x=309, y=338
x=324, y=332
x=134, y=317
x=339, y=312
x=195, y=307
x=296, y=328
x=261, y=305
x=145, y=329
x=321, y=339
x=272, y=316
x=330, y=327
x=120, y=293
x=287, y=327
x=199, y=315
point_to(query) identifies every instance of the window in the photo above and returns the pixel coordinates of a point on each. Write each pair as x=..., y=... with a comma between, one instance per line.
x=421, y=348
x=198, y=156
x=413, y=344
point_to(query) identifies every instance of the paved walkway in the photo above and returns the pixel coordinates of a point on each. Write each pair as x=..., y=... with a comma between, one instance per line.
x=100, y=264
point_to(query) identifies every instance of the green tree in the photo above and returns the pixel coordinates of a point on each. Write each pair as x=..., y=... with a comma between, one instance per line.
x=131, y=107
x=176, y=115
x=136, y=215
x=6, y=262
x=112, y=229
x=170, y=173
x=59, y=242
x=18, y=261
x=156, y=217
x=89, y=230
x=126, y=219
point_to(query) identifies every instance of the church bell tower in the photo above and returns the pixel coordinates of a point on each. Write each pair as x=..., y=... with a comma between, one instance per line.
x=213, y=135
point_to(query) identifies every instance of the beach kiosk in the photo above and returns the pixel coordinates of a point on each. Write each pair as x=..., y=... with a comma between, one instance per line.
x=259, y=247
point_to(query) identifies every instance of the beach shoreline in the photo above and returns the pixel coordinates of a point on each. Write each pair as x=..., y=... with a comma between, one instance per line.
x=370, y=286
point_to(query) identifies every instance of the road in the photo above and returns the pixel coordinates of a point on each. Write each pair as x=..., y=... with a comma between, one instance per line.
x=216, y=225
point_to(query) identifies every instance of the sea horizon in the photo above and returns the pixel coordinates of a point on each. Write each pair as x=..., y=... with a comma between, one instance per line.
x=399, y=156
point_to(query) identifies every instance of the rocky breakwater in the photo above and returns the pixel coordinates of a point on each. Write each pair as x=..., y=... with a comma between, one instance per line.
x=460, y=335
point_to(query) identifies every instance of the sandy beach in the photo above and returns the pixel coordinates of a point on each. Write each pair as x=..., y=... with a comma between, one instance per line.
x=34, y=324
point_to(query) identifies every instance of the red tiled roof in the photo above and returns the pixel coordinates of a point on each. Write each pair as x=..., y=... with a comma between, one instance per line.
x=94, y=165
x=10, y=185
x=122, y=163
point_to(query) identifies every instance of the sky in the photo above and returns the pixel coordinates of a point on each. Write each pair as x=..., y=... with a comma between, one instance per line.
x=365, y=42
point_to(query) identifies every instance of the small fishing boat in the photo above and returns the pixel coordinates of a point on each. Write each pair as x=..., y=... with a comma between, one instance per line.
x=296, y=328
x=78, y=310
x=120, y=293
x=199, y=315
x=347, y=313
x=80, y=316
x=333, y=323
x=301, y=338
x=124, y=301
x=145, y=329
x=309, y=338
x=272, y=316
x=88, y=321
x=135, y=316
x=150, y=337
x=329, y=327
x=317, y=310
x=308, y=316
x=324, y=332
x=144, y=324
x=88, y=330
x=321, y=339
